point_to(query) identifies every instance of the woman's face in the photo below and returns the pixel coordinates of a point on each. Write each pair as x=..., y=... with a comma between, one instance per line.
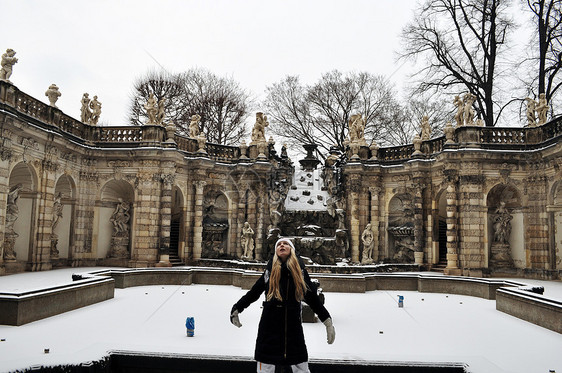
x=283, y=250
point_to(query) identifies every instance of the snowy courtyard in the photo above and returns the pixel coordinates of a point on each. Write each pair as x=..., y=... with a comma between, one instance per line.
x=369, y=326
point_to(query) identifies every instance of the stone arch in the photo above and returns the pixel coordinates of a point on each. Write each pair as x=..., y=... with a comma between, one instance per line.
x=113, y=239
x=217, y=220
x=20, y=214
x=400, y=228
x=62, y=236
x=439, y=227
x=506, y=243
x=555, y=216
x=177, y=235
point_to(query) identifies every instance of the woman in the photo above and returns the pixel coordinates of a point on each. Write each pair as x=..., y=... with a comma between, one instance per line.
x=286, y=283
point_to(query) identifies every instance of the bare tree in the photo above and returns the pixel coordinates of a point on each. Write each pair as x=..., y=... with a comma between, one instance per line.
x=222, y=104
x=547, y=17
x=164, y=86
x=460, y=41
x=320, y=113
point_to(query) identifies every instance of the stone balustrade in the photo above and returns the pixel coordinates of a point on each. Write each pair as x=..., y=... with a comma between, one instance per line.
x=515, y=138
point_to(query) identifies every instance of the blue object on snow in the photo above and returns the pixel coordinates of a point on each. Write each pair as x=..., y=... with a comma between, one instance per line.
x=400, y=301
x=190, y=326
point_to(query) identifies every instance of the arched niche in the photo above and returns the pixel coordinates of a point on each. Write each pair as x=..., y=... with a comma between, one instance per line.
x=506, y=197
x=440, y=227
x=20, y=216
x=555, y=208
x=401, y=229
x=216, y=224
x=113, y=193
x=63, y=217
x=177, y=234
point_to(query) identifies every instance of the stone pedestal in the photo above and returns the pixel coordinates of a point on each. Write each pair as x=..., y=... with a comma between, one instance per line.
x=500, y=256
x=9, y=244
x=164, y=261
x=418, y=257
x=54, y=243
x=452, y=268
x=119, y=247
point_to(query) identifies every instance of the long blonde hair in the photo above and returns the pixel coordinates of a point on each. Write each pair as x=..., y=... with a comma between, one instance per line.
x=296, y=272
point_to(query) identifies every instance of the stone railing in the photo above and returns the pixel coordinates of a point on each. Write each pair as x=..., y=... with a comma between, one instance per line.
x=43, y=115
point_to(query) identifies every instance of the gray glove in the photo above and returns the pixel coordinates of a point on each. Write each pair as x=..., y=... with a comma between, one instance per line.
x=330, y=330
x=234, y=319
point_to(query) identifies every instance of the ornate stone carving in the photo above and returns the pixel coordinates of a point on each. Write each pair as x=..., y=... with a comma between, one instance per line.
x=120, y=237
x=531, y=107
x=368, y=240
x=194, y=126
x=258, y=132
x=8, y=61
x=425, y=128
x=53, y=94
x=247, y=241
x=90, y=111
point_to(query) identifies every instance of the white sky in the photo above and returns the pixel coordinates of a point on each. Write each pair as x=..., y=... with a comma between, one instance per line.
x=101, y=46
x=430, y=327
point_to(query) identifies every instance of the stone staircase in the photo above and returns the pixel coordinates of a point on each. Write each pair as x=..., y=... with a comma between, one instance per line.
x=175, y=259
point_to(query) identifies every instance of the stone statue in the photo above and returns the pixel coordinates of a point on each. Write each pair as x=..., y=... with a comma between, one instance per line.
x=502, y=224
x=459, y=116
x=368, y=240
x=194, y=129
x=542, y=109
x=357, y=129
x=247, y=241
x=85, y=113
x=469, y=99
x=120, y=217
x=12, y=209
x=531, y=106
x=57, y=211
x=53, y=94
x=151, y=107
x=425, y=128
x=258, y=132
x=95, y=105
x=161, y=111
x=8, y=60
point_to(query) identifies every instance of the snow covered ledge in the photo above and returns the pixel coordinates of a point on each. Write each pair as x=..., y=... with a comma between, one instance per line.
x=18, y=308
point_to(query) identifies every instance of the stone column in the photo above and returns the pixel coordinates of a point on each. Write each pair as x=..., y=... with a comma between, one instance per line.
x=261, y=216
x=418, y=221
x=355, y=187
x=198, y=223
x=41, y=253
x=452, y=240
x=241, y=218
x=165, y=220
x=188, y=225
x=375, y=221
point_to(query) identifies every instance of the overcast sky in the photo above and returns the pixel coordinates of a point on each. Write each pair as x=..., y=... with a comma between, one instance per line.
x=100, y=47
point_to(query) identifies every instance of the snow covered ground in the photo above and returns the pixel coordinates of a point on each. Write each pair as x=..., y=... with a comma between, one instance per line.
x=369, y=326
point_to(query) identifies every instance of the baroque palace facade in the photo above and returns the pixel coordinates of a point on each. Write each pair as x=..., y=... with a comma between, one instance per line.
x=478, y=201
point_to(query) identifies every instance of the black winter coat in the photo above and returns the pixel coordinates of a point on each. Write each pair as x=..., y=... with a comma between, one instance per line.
x=280, y=338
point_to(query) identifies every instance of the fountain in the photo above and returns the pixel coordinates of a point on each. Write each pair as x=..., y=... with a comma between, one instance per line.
x=310, y=215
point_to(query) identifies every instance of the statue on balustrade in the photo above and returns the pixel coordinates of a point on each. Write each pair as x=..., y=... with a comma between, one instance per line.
x=194, y=129
x=531, y=107
x=357, y=130
x=459, y=116
x=425, y=128
x=151, y=107
x=258, y=132
x=368, y=240
x=53, y=94
x=95, y=105
x=161, y=111
x=247, y=241
x=85, y=113
x=469, y=99
x=8, y=61
x=542, y=109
